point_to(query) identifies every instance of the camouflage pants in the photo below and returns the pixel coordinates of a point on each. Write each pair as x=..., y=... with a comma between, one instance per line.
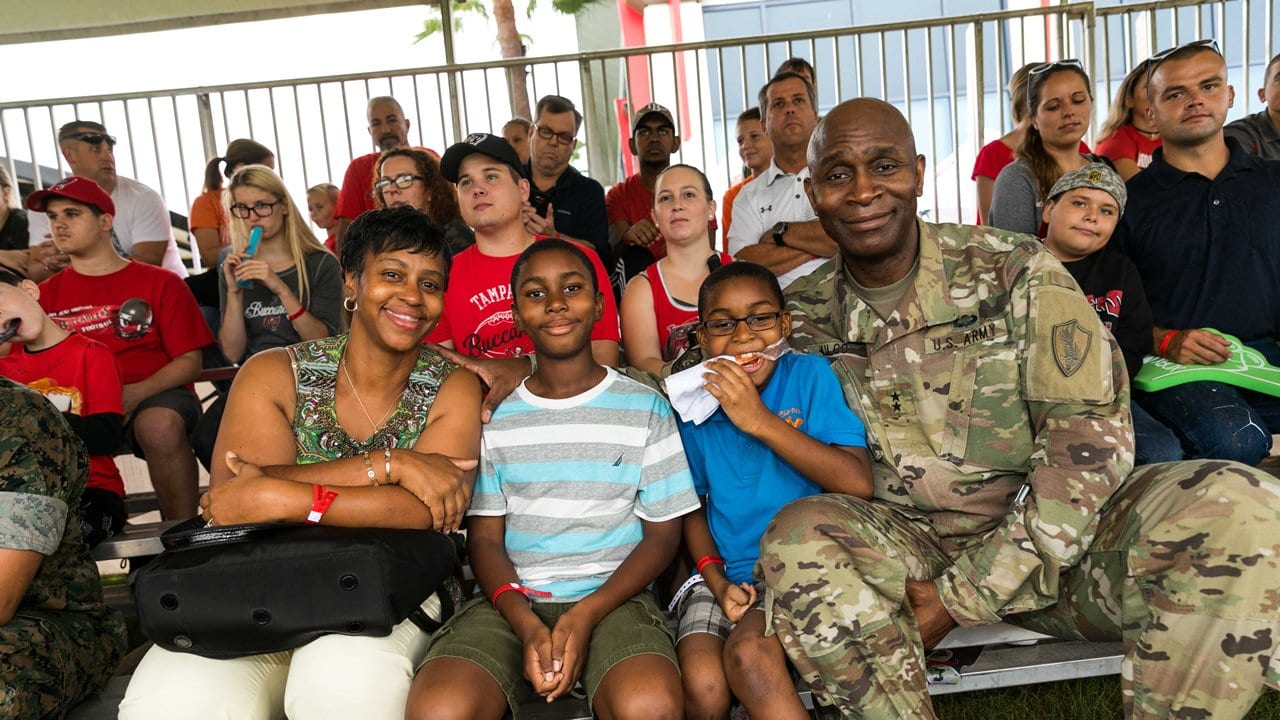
x=47, y=666
x=1183, y=569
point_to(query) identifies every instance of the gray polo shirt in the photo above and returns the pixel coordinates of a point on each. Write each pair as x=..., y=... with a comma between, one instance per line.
x=1257, y=134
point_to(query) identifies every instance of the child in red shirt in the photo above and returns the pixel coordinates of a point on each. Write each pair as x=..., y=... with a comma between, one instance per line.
x=79, y=376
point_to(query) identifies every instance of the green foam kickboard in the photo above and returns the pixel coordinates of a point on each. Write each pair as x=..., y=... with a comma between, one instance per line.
x=1246, y=368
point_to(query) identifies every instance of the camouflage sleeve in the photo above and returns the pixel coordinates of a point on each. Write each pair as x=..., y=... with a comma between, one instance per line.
x=31, y=522
x=1077, y=398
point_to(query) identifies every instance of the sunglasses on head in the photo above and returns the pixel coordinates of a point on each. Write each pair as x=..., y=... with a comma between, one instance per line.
x=1163, y=55
x=1049, y=66
x=95, y=139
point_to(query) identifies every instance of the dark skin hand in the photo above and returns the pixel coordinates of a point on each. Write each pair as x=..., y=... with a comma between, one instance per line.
x=931, y=616
x=501, y=375
x=1194, y=347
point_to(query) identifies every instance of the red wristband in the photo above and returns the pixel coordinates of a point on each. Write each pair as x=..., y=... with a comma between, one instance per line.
x=1164, y=342
x=322, y=499
x=710, y=560
x=516, y=587
x=297, y=313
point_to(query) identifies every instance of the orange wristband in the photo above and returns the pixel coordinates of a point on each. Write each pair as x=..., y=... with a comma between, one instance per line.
x=1164, y=342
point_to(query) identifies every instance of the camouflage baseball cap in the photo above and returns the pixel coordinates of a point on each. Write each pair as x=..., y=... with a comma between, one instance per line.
x=1096, y=176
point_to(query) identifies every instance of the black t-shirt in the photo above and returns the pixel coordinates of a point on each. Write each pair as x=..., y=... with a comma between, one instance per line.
x=1111, y=283
x=13, y=234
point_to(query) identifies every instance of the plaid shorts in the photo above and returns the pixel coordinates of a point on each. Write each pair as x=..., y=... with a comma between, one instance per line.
x=699, y=612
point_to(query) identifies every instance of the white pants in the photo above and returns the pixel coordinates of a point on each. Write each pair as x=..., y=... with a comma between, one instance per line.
x=336, y=676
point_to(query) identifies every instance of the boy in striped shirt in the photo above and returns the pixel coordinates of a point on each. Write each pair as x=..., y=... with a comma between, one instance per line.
x=578, y=505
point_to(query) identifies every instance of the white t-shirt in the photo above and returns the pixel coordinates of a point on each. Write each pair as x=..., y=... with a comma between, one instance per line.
x=772, y=198
x=141, y=215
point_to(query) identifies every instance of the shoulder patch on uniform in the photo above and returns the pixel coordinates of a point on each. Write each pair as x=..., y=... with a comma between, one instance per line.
x=1071, y=345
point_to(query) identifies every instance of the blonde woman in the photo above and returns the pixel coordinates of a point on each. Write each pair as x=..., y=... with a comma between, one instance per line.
x=294, y=287
x=1128, y=138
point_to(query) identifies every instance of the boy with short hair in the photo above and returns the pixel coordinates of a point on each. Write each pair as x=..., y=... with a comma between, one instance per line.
x=1081, y=213
x=577, y=508
x=782, y=432
x=1259, y=133
x=79, y=376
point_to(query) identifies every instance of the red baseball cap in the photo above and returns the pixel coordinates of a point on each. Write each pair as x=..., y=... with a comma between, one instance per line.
x=79, y=189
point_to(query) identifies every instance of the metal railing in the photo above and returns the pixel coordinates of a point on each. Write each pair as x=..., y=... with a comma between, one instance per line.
x=947, y=75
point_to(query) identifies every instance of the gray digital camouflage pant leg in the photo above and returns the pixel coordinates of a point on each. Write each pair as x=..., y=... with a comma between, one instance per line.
x=1183, y=569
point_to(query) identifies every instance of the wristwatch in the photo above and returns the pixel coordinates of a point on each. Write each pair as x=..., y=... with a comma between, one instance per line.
x=778, y=232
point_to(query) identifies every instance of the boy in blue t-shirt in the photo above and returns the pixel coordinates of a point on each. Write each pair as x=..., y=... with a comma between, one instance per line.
x=577, y=508
x=782, y=432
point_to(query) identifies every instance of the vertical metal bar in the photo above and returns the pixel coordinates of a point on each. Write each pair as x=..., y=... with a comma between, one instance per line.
x=155, y=143
x=346, y=118
x=8, y=150
x=302, y=152
x=955, y=116
x=53, y=129
x=813, y=58
x=933, y=116
x=38, y=178
x=417, y=107
x=205, y=112
x=128, y=125
x=446, y=26
x=884, y=71
x=906, y=76
x=275, y=129
x=1001, y=79
x=857, y=52
x=704, y=114
x=457, y=133
x=324, y=135
x=724, y=116
x=226, y=125
x=487, y=104
x=835, y=69
x=182, y=155
x=979, y=79
x=1244, y=47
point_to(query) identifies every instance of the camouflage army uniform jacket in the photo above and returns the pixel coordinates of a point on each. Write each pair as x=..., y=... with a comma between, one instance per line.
x=43, y=470
x=996, y=407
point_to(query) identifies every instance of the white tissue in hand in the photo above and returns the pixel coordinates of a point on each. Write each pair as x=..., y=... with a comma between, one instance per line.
x=688, y=393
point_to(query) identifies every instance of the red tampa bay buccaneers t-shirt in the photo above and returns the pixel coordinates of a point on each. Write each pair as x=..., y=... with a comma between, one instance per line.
x=477, y=306
x=145, y=315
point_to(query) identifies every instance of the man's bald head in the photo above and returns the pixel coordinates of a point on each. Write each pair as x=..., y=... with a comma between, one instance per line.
x=864, y=180
x=861, y=111
x=388, y=126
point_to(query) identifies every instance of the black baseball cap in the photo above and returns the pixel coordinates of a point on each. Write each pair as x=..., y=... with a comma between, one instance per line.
x=493, y=146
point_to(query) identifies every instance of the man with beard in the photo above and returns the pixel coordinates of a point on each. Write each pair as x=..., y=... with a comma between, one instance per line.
x=389, y=129
x=997, y=416
x=635, y=240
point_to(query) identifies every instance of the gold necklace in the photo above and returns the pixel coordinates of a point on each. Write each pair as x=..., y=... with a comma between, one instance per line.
x=376, y=426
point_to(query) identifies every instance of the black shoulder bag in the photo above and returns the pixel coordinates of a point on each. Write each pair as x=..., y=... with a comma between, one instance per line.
x=236, y=590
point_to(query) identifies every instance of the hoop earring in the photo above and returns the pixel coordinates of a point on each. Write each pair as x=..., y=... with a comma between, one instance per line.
x=349, y=304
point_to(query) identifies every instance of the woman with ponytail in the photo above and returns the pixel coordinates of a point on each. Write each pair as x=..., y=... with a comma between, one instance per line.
x=208, y=221
x=1060, y=105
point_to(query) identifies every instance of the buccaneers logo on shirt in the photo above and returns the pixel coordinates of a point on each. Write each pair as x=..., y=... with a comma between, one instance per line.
x=129, y=320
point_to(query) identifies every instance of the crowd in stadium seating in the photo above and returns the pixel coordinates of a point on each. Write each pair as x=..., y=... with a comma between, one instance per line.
x=497, y=265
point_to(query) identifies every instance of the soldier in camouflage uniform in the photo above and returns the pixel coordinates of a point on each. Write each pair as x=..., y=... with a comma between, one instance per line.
x=58, y=642
x=997, y=413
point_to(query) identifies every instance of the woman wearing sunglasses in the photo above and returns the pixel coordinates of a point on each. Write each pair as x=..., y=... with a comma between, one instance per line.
x=1060, y=105
x=407, y=176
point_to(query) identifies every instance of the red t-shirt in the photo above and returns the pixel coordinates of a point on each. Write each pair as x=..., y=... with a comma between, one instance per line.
x=356, y=195
x=675, y=322
x=631, y=202
x=80, y=377
x=1129, y=144
x=477, y=306
x=331, y=243
x=164, y=323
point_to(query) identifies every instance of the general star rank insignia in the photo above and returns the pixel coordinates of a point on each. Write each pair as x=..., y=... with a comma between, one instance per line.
x=1070, y=346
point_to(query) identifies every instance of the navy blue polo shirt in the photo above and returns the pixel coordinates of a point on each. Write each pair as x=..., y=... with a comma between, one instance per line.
x=579, y=207
x=1208, y=250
